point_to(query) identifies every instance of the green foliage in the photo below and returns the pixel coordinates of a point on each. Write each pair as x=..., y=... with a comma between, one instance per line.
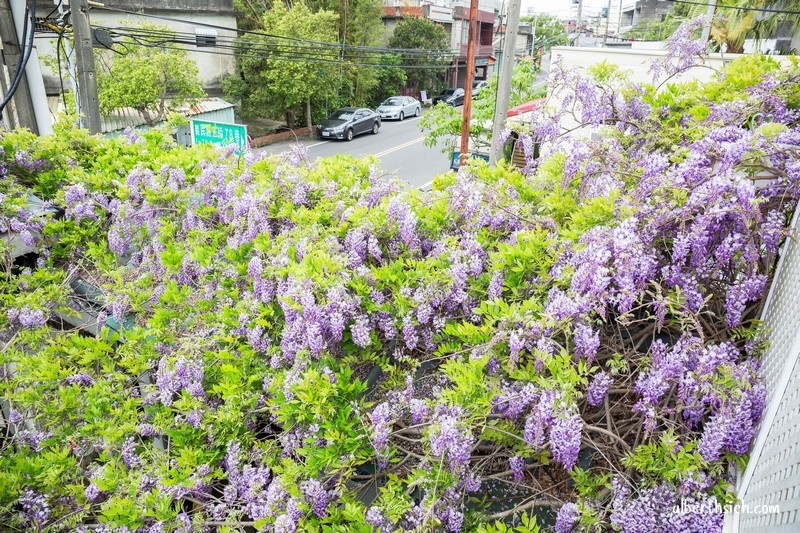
x=442, y=123
x=421, y=34
x=391, y=78
x=550, y=32
x=528, y=525
x=280, y=87
x=151, y=76
x=279, y=407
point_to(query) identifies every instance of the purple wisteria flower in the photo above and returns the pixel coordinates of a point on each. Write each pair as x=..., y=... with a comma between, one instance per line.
x=92, y=493
x=381, y=418
x=565, y=439
x=567, y=518
x=316, y=497
x=376, y=519
x=517, y=465
x=451, y=439
x=35, y=508
x=129, y=456
x=598, y=388
x=587, y=341
x=27, y=317
x=82, y=379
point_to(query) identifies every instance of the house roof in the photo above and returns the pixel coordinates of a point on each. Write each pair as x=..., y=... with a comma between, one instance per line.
x=527, y=107
x=128, y=117
x=402, y=11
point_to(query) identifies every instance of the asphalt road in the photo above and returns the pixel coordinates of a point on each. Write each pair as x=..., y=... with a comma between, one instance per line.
x=398, y=147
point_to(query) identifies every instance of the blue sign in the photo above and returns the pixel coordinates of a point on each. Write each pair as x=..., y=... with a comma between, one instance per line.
x=455, y=161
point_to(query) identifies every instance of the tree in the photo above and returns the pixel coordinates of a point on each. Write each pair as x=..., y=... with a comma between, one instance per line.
x=550, y=32
x=415, y=35
x=443, y=122
x=732, y=26
x=251, y=13
x=282, y=73
x=391, y=78
x=359, y=25
x=153, y=76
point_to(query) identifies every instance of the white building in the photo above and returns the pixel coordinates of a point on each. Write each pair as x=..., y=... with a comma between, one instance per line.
x=202, y=26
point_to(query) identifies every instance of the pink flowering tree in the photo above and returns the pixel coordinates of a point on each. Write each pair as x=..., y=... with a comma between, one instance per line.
x=286, y=345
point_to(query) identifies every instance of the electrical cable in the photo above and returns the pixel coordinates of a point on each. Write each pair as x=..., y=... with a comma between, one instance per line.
x=30, y=20
x=60, y=74
x=250, y=32
x=307, y=59
x=190, y=39
x=269, y=51
x=738, y=8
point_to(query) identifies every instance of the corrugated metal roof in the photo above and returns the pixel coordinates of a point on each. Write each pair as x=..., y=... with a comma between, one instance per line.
x=128, y=117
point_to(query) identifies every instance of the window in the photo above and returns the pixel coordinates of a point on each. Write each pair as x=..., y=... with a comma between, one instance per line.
x=205, y=37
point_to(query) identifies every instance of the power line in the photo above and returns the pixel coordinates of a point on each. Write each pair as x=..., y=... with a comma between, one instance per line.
x=155, y=38
x=260, y=34
x=293, y=57
x=313, y=45
x=738, y=8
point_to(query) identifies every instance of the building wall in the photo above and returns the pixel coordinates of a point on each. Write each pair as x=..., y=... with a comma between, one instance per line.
x=633, y=13
x=193, y=15
x=453, y=14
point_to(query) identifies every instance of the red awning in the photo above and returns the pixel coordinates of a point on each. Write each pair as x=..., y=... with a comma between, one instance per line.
x=527, y=107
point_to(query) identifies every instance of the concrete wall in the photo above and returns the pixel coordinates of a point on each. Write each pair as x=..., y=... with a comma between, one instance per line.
x=636, y=62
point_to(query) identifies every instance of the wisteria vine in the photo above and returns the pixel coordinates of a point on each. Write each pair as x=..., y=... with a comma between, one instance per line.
x=291, y=345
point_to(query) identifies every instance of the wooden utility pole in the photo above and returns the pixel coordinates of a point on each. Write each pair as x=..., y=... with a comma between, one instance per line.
x=84, y=59
x=504, y=83
x=22, y=101
x=471, y=38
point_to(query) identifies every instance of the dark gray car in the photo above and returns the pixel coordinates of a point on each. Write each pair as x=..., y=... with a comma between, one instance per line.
x=347, y=122
x=453, y=97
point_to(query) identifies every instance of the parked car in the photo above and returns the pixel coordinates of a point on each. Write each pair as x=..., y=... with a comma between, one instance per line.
x=347, y=122
x=477, y=85
x=400, y=107
x=453, y=97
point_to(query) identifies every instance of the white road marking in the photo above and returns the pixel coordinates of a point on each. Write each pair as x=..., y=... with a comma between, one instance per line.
x=398, y=147
x=425, y=185
x=313, y=145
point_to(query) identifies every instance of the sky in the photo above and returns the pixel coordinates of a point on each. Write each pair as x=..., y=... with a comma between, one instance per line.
x=562, y=8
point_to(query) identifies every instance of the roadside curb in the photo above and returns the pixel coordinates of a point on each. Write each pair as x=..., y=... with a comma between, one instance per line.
x=298, y=133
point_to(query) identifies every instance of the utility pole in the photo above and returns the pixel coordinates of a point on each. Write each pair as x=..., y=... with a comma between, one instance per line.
x=608, y=19
x=471, y=38
x=84, y=59
x=712, y=6
x=578, y=23
x=504, y=83
x=22, y=102
x=9, y=117
x=73, y=76
x=533, y=40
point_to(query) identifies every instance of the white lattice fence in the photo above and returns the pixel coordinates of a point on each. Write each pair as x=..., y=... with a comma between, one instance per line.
x=769, y=489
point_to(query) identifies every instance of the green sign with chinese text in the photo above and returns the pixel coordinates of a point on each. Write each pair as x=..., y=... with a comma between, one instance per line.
x=204, y=132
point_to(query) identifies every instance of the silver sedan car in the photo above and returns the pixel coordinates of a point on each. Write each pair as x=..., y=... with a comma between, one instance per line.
x=400, y=107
